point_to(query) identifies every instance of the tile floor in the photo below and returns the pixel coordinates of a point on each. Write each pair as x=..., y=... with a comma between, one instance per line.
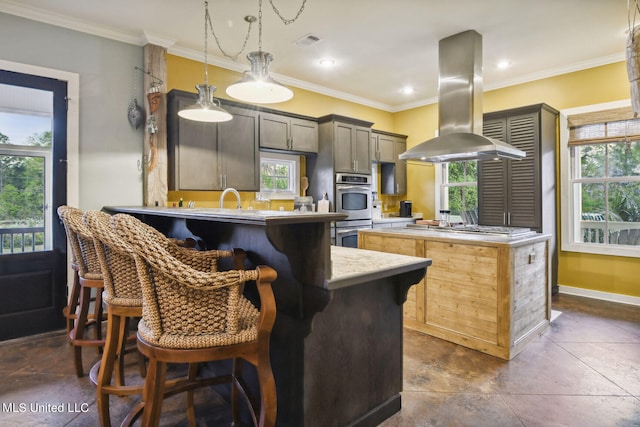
x=584, y=371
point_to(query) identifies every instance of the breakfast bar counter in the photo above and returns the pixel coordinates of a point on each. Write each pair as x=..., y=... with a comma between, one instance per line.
x=336, y=346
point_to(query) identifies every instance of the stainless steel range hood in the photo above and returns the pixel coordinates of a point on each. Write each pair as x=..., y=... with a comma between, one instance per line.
x=460, y=108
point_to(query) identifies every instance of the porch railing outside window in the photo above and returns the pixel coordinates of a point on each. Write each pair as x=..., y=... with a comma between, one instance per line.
x=604, y=182
x=21, y=240
x=25, y=197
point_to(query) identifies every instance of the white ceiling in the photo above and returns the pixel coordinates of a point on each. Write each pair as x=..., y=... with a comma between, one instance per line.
x=379, y=46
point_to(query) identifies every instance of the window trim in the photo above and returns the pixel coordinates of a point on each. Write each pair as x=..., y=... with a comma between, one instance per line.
x=295, y=191
x=568, y=200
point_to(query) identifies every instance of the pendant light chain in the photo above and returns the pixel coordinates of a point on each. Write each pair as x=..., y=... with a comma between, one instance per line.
x=260, y=25
x=228, y=55
x=206, y=44
x=285, y=20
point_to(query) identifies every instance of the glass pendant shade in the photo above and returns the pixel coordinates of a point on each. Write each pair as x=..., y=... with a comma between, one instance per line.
x=206, y=109
x=256, y=86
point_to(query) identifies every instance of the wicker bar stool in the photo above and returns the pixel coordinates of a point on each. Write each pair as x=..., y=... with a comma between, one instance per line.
x=190, y=316
x=123, y=299
x=87, y=281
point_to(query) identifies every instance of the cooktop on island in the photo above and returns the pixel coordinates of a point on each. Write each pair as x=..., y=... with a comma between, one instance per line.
x=474, y=228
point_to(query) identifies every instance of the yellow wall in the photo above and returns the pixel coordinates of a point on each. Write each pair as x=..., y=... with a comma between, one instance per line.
x=593, y=86
x=184, y=74
x=618, y=275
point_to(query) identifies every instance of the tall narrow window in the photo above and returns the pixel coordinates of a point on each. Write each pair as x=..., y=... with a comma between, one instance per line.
x=604, y=182
x=459, y=191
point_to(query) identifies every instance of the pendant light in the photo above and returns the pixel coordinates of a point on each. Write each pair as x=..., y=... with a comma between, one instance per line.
x=206, y=109
x=257, y=86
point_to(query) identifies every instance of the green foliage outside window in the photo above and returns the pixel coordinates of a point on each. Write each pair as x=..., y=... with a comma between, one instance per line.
x=275, y=176
x=462, y=198
x=22, y=180
x=613, y=199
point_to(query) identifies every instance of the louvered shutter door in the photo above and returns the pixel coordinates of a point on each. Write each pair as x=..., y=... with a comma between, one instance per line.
x=524, y=204
x=492, y=179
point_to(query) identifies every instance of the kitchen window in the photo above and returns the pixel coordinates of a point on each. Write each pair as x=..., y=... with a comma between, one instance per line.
x=279, y=175
x=601, y=179
x=459, y=190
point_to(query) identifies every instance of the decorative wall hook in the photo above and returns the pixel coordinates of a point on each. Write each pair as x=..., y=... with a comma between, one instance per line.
x=157, y=81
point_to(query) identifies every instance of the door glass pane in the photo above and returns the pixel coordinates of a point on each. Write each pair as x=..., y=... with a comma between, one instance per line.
x=25, y=169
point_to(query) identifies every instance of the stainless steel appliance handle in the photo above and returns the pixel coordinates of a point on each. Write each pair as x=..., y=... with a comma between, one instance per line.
x=347, y=231
x=359, y=188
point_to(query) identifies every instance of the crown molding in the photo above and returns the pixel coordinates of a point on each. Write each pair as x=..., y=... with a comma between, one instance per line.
x=40, y=15
x=140, y=39
x=241, y=68
x=158, y=40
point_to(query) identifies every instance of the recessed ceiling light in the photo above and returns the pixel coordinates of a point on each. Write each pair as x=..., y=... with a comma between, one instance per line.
x=408, y=90
x=503, y=65
x=327, y=62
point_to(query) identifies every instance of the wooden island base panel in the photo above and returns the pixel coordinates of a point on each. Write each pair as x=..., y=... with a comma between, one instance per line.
x=336, y=345
x=488, y=293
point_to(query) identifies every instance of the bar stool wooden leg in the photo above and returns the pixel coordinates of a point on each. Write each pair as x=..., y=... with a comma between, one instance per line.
x=235, y=392
x=106, y=368
x=111, y=365
x=191, y=411
x=153, y=392
x=123, y=330
x=98, y=313
x=268, y=399
x=69, y=311
x=78, y=330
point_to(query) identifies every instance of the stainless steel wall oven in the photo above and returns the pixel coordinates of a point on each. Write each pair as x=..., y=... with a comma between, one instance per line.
x=353, y=195
x=353, y=198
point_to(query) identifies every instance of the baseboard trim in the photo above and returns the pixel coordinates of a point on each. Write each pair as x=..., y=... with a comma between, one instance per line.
x=605, y=296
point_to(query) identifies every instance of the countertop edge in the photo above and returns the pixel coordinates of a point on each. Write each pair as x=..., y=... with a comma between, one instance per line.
x=245, y=216
x=396, y=219
x=471, y=238
x=358, y=266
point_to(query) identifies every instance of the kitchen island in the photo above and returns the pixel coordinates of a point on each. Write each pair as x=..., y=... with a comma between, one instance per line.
x=486, y=291
x=336, y=346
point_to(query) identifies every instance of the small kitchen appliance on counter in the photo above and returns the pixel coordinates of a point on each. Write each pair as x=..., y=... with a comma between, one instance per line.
x=405, y=208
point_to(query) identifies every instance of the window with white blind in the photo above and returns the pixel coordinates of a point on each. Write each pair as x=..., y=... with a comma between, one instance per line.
x=601, y=182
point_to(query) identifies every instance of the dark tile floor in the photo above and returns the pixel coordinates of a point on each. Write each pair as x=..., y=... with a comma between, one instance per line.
x=584, y=371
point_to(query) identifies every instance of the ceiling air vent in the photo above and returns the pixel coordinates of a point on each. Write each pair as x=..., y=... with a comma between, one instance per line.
x=307, y=40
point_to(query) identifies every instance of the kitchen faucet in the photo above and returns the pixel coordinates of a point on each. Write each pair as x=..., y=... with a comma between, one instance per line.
x=230, y=190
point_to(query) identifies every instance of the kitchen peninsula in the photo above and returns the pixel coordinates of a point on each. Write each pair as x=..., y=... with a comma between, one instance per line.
x=336, y=346
x=489, y=291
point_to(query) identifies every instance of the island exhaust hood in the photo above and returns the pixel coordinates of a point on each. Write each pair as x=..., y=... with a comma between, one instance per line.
x=460, y=108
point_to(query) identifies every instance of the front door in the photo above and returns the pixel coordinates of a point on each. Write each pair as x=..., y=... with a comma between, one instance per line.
x=33, y=133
